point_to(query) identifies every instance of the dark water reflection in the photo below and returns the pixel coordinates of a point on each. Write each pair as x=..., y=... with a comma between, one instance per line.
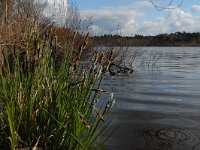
x=158, y=108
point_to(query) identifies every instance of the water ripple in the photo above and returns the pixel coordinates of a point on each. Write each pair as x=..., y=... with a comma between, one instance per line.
x=159, y=108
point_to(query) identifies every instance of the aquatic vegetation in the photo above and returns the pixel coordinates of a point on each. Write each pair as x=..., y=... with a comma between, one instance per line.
x=47, y=97
x=47, y=105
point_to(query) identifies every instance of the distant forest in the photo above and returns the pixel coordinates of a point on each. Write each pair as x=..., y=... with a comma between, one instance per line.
x=172, y=39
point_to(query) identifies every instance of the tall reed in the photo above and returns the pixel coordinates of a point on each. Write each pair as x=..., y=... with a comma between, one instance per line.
x=49, y=101
x=47, y=98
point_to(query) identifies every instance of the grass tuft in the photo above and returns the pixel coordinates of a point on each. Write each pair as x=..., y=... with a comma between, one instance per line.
x=47, y=105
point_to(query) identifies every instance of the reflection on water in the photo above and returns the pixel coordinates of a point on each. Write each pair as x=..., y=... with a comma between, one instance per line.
x=158, y=108
x=164, y=138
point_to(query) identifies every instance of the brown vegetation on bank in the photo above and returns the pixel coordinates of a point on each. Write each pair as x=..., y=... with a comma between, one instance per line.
x=47, y=99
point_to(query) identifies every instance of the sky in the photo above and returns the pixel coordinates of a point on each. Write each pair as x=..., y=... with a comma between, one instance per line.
x=130, y=17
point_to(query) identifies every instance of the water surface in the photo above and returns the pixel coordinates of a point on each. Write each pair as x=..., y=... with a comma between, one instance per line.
x=158, y=107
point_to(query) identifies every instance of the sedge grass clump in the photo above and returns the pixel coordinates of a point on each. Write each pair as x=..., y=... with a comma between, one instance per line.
x=47, y=99
x=49, y=102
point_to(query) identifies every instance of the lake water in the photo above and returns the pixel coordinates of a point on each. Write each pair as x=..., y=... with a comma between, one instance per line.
x=158, y=107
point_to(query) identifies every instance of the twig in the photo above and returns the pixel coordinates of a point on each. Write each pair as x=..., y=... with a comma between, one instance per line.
x=168, y=6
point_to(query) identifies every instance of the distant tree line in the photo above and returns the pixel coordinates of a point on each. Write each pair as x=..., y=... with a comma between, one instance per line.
x=172, y=39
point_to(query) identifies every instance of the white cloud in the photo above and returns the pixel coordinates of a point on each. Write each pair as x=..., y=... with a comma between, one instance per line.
x=114, y=19
x=95, y=29
x=175, y=20
x=142, y=4
x=195, y=8
x=156, y=26
x=127, y=19
x=57, y=2
x=56, y=9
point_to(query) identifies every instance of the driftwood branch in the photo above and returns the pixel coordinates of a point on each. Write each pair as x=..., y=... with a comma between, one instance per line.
x=115, y=69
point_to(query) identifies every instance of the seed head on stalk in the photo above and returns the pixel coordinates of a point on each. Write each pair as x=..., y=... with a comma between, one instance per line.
x=111, y=102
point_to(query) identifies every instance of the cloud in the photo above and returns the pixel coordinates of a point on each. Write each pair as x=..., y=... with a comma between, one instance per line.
x=55, y=9
x=127, y=18
x=57, y=2
x=175, y=20
x=114, y=19
x=138, y=17
x=156, y=26
x=195, y=8
x=141, y=4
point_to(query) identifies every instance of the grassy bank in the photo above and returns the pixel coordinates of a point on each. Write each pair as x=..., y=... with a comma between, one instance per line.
x=48, y=105
x=47, y=98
